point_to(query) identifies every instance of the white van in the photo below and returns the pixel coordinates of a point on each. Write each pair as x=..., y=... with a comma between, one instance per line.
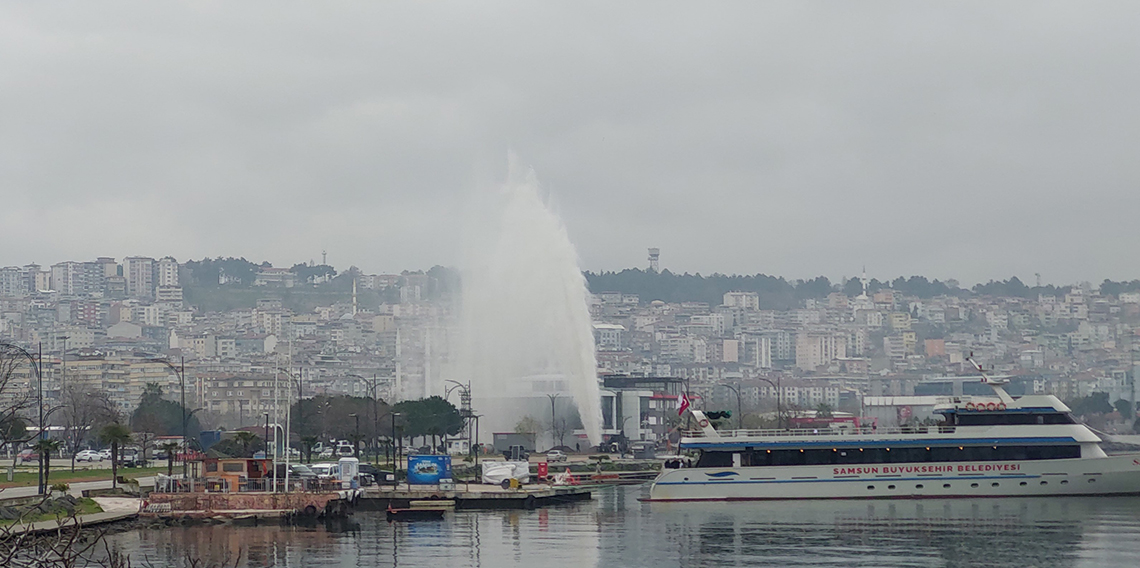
x=326, y=470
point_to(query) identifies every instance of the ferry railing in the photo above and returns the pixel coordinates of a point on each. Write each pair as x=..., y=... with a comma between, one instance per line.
x=826, y=432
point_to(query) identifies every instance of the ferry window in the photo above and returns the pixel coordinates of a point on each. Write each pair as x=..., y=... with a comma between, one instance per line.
x=909, y=455
x=945, y=454
x=715, y=459
x=818, y=457
x=980, y=453
x=788, y=457
x=876, y=455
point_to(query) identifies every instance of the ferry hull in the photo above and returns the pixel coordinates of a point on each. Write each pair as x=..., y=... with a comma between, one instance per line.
x=1112, y=475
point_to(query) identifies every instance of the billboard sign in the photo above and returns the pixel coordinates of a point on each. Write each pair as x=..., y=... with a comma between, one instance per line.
x=428, y=470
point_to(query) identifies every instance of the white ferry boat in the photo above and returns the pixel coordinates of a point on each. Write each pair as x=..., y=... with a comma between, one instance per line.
x=986, y=447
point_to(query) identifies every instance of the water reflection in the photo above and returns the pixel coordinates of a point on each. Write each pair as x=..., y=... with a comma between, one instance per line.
x=615, y=529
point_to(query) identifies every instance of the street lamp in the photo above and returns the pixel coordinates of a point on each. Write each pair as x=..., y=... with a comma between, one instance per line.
x=35, y=363
x=464, y=408
x=375, y=413
x=180, y=372
x=779, y=394
x=739, y=415
x=553, y=424
x=395, y=449
x=356, y=439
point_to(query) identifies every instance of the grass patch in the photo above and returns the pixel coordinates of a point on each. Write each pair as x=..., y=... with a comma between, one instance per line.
x=84, y=507
x=25, y=479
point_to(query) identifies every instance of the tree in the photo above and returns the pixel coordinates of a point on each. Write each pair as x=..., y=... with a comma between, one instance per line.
x=313, y=274
x=82, y=410
x=307, y=442
x=1095, y=403
x=170, y=449
x=162, y=417
x=527, y=425
x=432, y=416
x=1124, y=407
x=324, y=417
x=13, y=430
x=247, y=441
x=823, y=410
x=115, y=434
x=44, y=447
x=16, y=389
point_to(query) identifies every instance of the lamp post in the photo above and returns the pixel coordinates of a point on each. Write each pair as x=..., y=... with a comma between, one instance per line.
x=374, y=392
x=739, y=415
x=267, y=435
x=356, y=438
x=779, y=394
x=35, y=363
x=180, y=372
x=464, y=408
x=395, y=449
x=300, y=411
x=553, y=424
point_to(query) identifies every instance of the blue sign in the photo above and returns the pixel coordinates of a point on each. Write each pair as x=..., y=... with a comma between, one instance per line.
x=428, y=470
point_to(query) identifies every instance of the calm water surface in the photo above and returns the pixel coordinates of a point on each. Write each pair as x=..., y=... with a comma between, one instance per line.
x=616, y=530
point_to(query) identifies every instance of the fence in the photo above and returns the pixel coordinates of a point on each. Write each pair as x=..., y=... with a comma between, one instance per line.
x=177, y=484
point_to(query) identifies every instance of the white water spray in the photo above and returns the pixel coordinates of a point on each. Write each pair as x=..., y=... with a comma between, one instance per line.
x=524, y=320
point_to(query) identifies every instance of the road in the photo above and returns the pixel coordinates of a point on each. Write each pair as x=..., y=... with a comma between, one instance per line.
x=76, y=489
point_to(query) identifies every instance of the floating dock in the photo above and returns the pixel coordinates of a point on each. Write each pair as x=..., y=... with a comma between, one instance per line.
x=474, y=496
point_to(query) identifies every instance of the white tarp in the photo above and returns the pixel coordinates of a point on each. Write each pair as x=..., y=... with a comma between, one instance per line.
x=496, y=471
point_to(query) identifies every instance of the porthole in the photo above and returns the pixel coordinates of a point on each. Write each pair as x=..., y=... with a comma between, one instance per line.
x=1064, y=482
x=919, y=486
x=1044, y=482
x=1092, y=480
x=890, y=487
x=686, y=479
x=870, y=487
x=1023, y=484
x=946, y=486
x=994, y=484
x=974, y=485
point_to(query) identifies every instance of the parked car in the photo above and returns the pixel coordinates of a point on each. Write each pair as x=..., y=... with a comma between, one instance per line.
x=28, y=455
x=88, y=456
x=555, y=456
x=131, y=457
x=105, y=454
x=378, y=475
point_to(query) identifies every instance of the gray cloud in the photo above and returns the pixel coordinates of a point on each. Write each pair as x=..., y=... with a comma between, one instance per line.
x=967, y=140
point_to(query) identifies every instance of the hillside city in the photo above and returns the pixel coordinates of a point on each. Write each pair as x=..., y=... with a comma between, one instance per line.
x=869, y=350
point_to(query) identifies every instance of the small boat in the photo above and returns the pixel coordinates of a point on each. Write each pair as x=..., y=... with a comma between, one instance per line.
x=416, y=514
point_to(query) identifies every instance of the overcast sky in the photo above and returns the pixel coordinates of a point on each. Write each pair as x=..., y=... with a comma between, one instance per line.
x=955, y=140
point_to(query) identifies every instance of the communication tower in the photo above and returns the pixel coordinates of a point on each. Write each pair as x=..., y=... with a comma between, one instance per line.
x=654, y=254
